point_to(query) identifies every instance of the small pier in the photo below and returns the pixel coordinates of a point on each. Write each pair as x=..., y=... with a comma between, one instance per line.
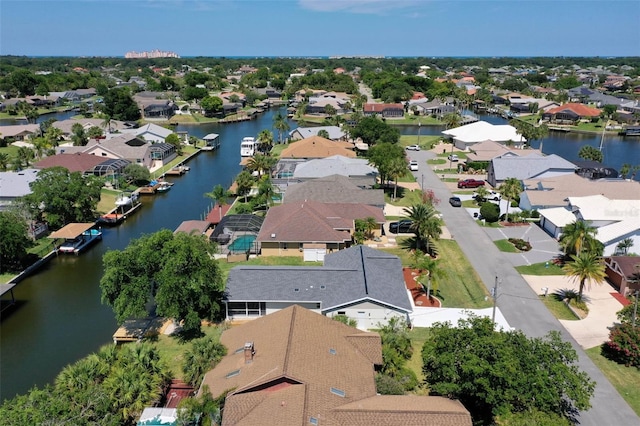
x=177, y=171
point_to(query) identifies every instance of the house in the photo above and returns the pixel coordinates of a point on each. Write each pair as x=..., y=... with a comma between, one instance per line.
x=466, y=136
x=354, y=168
x=555, y=191
x=570, y=113
x=487, y=150
x=311, y=229
x=66, y=126
x=529, y=167
x=317, y=147
x=335, y=132
x=624, y=273
x=152, y=105
x=319, y=105
x=614, y=220
x=14, y=185
x=384, y=110
x=193, y=227
x=361, y=282
x=19, y=132
x=76, y=162
x=150, y=132
x=126, y=147
x=435, y=107
x=295, y=367
x=333, y=189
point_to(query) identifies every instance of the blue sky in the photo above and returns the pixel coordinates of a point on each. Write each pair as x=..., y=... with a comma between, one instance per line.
x=321, y=27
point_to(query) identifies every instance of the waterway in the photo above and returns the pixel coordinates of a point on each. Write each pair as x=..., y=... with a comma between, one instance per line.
x=59, y=317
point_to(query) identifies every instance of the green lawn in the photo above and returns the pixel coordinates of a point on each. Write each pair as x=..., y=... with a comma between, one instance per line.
x=405, y=198
x=277, y=149
x=410, y=118
x=437, y=161
x=407, y=177
x=418, y=336
x=624, y=379
x=425, y=142
x=544, y=268
x=489, y=224
x=266, y=261
x=558, y=308
x=506, y=246
x=461, y=286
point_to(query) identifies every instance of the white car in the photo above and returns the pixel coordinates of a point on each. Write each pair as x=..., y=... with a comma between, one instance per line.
x=413, y=165
x=453, y=157
x=413, y=148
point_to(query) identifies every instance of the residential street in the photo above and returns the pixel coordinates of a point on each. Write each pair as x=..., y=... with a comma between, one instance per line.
x=516, y=299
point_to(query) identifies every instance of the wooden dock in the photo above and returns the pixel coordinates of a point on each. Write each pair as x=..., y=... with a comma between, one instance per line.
x=149, y=190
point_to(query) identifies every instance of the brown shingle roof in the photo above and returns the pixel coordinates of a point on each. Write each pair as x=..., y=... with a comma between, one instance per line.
x=78, y=162
x=299, y=357
x=311, y=221
x=629, y=265
x=381, y=107
x=401, y=410
x=317, y=147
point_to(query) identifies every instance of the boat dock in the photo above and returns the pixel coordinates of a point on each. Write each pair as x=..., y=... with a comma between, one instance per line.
x=212, y=141
x=77, y=236
x=177, y=171
x=116, y=218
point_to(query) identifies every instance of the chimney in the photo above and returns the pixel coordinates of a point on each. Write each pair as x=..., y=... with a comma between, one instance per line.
x=249, y=352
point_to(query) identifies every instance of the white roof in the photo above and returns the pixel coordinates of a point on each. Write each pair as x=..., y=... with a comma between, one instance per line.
x=559, y=216
x=481, y=131
x=601, y=208
x=16, y=184
x=334, y=132
x=335, y=165
x=618, y=230
x=154, y=129
x=158, y=416
x=211, y=136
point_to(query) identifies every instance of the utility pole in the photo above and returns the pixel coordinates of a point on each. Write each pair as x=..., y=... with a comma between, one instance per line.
x=635, y=310
x=495, y=299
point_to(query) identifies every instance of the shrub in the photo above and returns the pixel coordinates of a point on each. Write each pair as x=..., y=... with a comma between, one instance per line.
x=520, y=244
x=535, y=214
x=387, y=385
x=623, y=346
x=490, y=212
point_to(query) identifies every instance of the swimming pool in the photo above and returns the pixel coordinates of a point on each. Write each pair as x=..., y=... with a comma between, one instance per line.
x=242, y=244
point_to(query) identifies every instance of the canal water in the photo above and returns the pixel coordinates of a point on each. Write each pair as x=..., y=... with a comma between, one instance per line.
x=59, y=317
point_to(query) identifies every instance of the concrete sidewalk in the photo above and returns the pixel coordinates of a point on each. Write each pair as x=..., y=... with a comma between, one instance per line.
x=594, y=329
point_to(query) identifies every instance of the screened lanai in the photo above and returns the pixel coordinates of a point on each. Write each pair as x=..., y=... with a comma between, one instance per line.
x=237, y=233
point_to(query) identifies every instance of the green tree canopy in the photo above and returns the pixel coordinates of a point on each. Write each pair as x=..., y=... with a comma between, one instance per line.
x=211, y=105
x=119, y=105
x=63, y=197
x=497, y=372
x=14, y=242
x=137, y=173
x=174, y=140
x=588, y=152
x=384, y=156
x=373, y=130
x=176, y=272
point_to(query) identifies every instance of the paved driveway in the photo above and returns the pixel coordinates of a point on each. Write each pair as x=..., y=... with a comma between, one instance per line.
x=543, y=247
x=517, y=300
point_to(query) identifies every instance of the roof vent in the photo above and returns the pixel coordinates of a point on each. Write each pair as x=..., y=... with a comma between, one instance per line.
x=273, y=235
x=338, y=392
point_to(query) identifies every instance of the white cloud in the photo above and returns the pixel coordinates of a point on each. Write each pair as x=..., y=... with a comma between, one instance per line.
x=357, y=6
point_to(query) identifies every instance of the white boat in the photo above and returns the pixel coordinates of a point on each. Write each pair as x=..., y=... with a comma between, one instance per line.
x=80, y=242
x=248, y=146
x=126, y=198
x=164, y=186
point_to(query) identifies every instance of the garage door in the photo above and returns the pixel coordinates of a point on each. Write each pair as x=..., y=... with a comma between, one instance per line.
x=548, y=226
x=314, y=254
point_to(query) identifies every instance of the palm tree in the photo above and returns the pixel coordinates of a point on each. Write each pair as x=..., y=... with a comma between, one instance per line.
x=510, y=189
x=586, y=268
x=106, y=123
x=397, y=169
x=79, y=137
x=577, y=237
x=625, y=245
x=427, y=224
x=220, y=196
x=265, y=137
x=430, y=269
x=244, y=182
x=202, y=357
x=281, y=125
x=24, y=156
x=4, y=161
x=367, y=225
x=267, y=191
x=452, y=120
x=53, y=135
x=261, y=164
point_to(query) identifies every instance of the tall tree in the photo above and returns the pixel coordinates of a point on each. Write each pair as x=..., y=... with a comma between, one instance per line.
x=586, y=268
x=78, y=135
x=261, y=164
x=119, y=105
x=588, y=152
x=176, y=272
x=429, y=270
x=510, y=189
x=203, y=356
x=427, y=225
x=244, y=183
x=382, y=156
x=498, y=372
x=579, y=236
x=452, y=120
x=220, y=196
x=4, y=161
x=63, y=197
x=14, y=242
x=265, y=138
x=281, y=125
x=397, y=168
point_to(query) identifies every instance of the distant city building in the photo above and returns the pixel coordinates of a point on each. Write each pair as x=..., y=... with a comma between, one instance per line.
x=151, y=54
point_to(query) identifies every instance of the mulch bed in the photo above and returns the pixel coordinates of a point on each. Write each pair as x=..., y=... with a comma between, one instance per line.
x=417, y=293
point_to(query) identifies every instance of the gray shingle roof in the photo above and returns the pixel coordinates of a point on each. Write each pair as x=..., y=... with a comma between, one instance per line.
x=334, y=189
x=16, y=184
x=336, y=164
x=350, y=275
x=529, y=167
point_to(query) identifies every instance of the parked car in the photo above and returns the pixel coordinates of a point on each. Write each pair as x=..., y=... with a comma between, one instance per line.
x=401, y=227
x=453, y=157
x=413, y=148
x=455, y=201
x=413, y=165
x=492, y=195
x=470, y=183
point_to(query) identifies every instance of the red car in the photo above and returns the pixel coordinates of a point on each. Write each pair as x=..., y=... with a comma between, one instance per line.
x=470, y=183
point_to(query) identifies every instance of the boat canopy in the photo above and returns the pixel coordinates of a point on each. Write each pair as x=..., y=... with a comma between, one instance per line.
x=72, y=230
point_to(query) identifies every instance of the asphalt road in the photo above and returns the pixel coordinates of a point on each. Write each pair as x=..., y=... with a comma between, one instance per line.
x=517, y=301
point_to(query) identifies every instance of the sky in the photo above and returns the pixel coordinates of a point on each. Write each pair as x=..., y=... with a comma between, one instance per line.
x=314, y=28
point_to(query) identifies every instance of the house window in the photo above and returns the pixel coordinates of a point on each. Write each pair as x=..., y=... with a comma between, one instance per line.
x=342, y=312
x=313, y=420
x=332, y=351
x=104, y=154
x=338, y=392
